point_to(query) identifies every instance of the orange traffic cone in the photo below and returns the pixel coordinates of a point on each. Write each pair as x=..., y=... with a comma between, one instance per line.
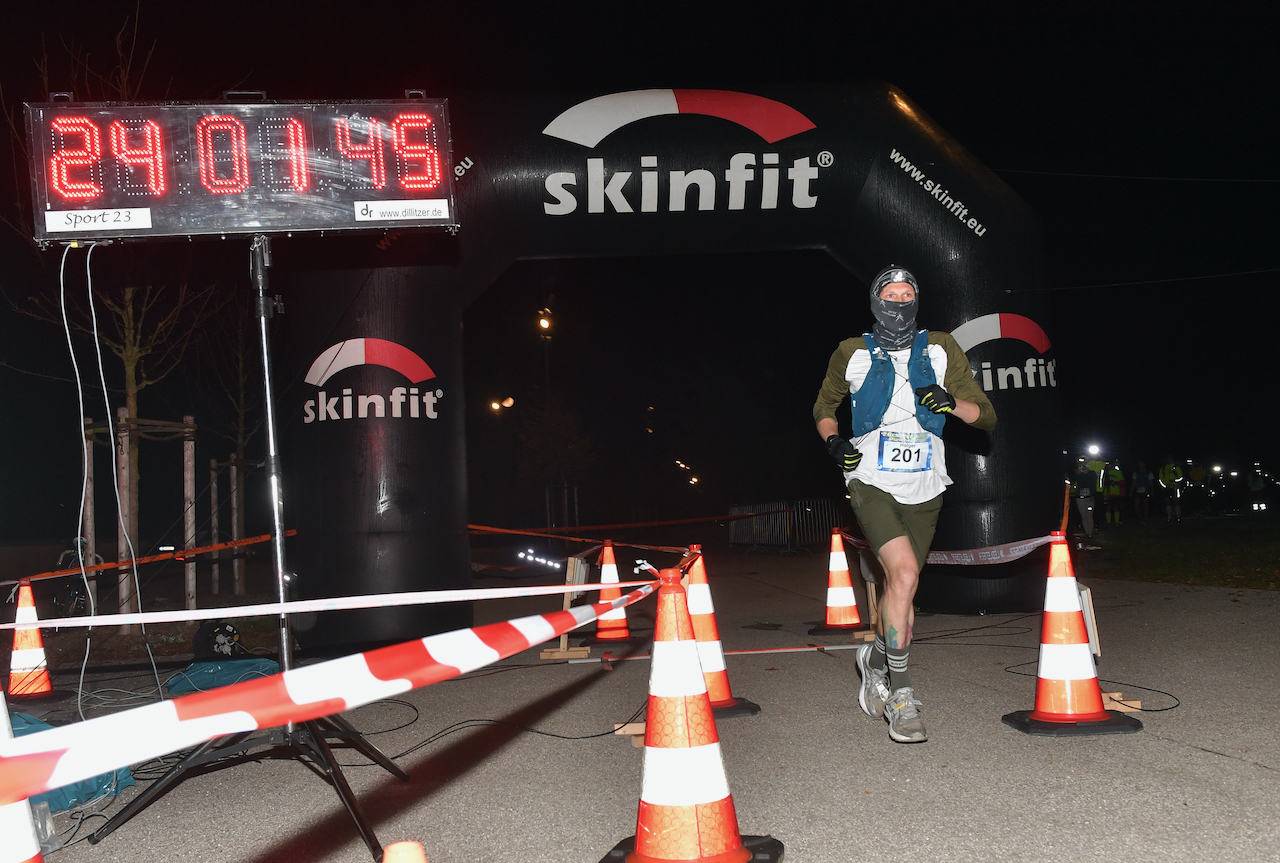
x=710, y=652
x=842, y=606
x=19, y=842
x=28, y=670
x=686, y=812
x=612, y=625
x=1068, y=698
x=404, y=852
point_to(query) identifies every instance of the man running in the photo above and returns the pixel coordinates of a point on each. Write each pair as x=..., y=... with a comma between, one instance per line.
x=903, y=383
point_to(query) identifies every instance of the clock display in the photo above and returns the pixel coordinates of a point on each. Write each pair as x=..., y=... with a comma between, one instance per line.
x=109, y=170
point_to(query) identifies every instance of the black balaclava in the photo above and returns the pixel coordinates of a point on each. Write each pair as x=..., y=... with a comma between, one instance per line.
x=895, y=326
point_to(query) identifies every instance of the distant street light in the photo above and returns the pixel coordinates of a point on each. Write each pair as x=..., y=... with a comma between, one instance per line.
x=1093, y=449
x=544, y=323
x=1217, y=468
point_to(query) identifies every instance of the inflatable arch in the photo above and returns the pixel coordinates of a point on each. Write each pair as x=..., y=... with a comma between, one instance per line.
x=375, y=448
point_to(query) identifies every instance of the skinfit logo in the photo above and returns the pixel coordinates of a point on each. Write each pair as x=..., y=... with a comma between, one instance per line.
x=590, y=122
x=403, y=401
x=1003, y=325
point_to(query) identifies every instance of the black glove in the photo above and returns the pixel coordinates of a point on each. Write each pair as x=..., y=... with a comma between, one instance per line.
x=845, y=453
x=936, y=399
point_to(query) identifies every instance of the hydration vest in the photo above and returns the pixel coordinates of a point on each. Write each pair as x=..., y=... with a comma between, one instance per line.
x=871, y=400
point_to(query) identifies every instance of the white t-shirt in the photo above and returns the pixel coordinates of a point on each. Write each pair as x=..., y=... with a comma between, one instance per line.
x=900, y=457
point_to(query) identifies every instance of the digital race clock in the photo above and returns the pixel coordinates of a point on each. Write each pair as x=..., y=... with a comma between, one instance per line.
x=108, y=170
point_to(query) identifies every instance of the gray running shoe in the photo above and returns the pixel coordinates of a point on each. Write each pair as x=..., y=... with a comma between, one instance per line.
x=903, y=712
x=874, y=691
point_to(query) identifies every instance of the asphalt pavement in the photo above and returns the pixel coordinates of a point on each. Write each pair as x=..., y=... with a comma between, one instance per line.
x=543, y=779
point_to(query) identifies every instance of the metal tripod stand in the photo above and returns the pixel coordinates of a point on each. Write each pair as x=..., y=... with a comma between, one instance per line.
x=308, y=741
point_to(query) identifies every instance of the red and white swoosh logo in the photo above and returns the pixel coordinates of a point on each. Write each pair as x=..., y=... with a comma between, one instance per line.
x=374, y=352
x=1000, y=326
x=590, y=122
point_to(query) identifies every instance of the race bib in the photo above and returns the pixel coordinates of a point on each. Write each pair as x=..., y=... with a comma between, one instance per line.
x=905, y=452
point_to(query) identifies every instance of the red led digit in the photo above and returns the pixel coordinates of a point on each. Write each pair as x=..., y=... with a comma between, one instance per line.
x=237, y=158
x=297, y=155
x=88, y=156
x=372, y=151
x=150, y=156
x=423, y=152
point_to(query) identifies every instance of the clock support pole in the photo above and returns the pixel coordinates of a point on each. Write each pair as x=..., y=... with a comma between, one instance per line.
x=307, y=740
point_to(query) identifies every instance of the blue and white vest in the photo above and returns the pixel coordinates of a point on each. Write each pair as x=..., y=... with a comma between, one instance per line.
x=871, y=400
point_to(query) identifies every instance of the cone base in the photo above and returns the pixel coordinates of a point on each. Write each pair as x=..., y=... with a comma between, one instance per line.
x=763, y=849
x=734, y=707
x=1116, y=723
x=827, y=629
x=631, y=639
x=34, y=696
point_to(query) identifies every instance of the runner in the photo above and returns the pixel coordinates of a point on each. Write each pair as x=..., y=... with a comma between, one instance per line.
x=896, y=491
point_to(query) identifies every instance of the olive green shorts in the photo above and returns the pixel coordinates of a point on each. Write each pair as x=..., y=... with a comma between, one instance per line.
x=882, y=518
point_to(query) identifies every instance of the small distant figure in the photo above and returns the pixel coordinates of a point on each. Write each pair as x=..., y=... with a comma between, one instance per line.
x=1085, y=482
x=1115, y=493
x=1141, y=485
x=1170, y=479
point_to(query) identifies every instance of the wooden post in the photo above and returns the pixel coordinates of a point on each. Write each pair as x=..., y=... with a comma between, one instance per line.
x=213, y=518
x=189, y=503
x=237, y=556
x=124, y=575
x=88, y=528
x=577, y=571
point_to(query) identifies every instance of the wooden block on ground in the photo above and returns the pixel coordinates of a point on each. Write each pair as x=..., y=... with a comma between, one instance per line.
x=567, y=653
x=1113, y=701
x=634, y=730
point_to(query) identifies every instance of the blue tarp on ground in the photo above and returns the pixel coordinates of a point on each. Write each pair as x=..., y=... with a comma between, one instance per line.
x=77, y=793
x=203, y=676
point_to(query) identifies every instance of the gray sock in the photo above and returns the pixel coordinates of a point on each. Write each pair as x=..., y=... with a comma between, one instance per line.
x=898, y=676
x=878, y=660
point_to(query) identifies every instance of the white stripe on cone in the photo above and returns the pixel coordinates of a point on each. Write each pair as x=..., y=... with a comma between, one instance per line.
x=711, y=656
x=683, y=776
x=1066, y=662
x=700, y=599
x=18, y=842
x=675, y=670
x=839, y=563
x=1061, y=594
x=27, y=659
x=619, y=614
x=840, y=597
x=26, y=614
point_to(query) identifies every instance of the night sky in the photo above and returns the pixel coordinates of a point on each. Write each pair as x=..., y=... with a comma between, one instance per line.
x=1144, y=137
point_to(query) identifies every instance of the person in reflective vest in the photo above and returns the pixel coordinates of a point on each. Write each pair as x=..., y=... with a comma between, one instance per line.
x=1115, y=493
x=902, y=383
x=1143, y=483
x=1170, y=479
x=1082, y=491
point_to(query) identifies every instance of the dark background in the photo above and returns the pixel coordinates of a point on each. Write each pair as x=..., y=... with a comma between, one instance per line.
x=1143, y=135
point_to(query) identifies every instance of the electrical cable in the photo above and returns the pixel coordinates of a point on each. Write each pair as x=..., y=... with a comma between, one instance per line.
x=84, y=461
x=115, y=476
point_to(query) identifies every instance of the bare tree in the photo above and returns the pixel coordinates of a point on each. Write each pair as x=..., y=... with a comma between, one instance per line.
x=151, y=313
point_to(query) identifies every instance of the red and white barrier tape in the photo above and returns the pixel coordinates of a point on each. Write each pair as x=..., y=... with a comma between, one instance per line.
x=991, y=554
x=50, y=759
x=972, y=556
x=337, y=603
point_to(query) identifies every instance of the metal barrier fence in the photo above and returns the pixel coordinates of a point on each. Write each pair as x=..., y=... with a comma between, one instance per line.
x=804, y=523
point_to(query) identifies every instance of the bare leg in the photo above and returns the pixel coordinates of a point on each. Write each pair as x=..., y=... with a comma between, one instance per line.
x=901, y=577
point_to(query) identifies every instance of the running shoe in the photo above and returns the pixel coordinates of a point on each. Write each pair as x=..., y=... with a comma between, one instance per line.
x=903, y=712
x=874, y=691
